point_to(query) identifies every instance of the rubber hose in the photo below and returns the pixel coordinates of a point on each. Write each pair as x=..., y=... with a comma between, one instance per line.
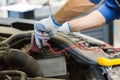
x=4, y=47
x=17, y=38
x=16, y=58
x=22, y=75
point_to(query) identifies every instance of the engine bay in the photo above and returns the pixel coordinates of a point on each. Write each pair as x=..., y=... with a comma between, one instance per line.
x=66, y=57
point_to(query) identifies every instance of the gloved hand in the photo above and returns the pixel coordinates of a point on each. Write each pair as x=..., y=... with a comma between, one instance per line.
x=65, y=28
x=43, y=29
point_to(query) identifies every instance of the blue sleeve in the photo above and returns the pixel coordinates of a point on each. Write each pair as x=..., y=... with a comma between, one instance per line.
x=109, y=11
x=95, y=1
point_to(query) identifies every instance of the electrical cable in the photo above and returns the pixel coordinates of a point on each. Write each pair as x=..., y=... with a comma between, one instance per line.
x=81, y=46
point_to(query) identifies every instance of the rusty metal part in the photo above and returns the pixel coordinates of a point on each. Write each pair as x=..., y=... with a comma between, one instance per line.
x=22, y=75
x=19, y=75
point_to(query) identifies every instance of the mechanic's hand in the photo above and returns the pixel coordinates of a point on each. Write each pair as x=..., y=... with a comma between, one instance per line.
x=44, y=29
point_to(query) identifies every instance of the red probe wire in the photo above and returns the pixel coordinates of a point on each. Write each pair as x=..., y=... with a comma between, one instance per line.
x=81, y=46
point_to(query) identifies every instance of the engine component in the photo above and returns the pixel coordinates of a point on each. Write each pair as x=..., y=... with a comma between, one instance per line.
x=80, y=51
x=14, y=40
x=80, y=48
x=108, y=62
x=19, y=75
x=53, y=67
x=17, y=59
x=114, y=72
x=6, y=73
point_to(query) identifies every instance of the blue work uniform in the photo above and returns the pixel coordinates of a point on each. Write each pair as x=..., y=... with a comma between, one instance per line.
x=95, y=1
x=110, y=10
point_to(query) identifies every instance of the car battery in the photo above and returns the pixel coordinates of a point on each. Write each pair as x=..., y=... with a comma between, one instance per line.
x=53, y=67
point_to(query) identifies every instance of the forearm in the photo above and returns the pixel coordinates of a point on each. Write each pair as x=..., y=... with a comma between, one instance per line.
x=92, y=20
x=71, y=9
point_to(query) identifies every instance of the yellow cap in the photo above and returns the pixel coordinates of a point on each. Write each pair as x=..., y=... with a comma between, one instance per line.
x=108, y=62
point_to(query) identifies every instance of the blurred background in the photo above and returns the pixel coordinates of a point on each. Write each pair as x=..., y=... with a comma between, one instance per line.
x=41, y=8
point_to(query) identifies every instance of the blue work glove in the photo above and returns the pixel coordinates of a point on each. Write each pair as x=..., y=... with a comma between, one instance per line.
x=65, y=28
x=43, y=29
